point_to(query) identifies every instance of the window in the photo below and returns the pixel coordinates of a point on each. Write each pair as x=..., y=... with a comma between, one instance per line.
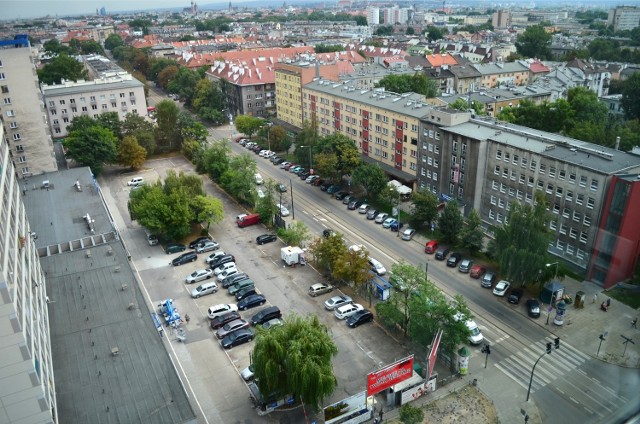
x=570, y=249
x=512, y=191
x=556, y=208
x=501, y=203
x=94, y=107
x=7, y=100
x=591, y=202
x=580, y=199
x=594, y=185
x=583, y=236
x=507, y=156
x=566, y=212
x=19, y=148
x=10, y=113
x=13, y=124
x=520, y=194
x=436, y=149
x=553, y=225
x=493, y=200
x=543, y=168
x=1, y=75
x=572, y=178
x=552, y=172
x=496, y=170
x=521, y=179
x=515, y=159
x=17, y=137
x=492, y=214
x=499, y=217
x=430, y=147
x=499, y=154
x=530, y=182
x=583, y=181
x=577, y=216
x=529, y=198
x=562, y=174
x=549, y=188
x=559, y=191
x=560, y=244
x=505, y=173
x=523, y=162
x=563, y=229
x=494, y=185
x=74, y=109
x=533, y=165
x=573, y=233
x=580, y=254
x=25, y=170
x=503, y=188
x=62, y=102
x=513, y=175
x=22, y=159
x=437, y=136
x=4, y=89
x=587, y=220
x=540, y=185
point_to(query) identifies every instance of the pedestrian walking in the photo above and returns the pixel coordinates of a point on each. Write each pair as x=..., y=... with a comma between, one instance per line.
x=634, y=323
x=380, y=415
x=608, y=303
x=595, y=297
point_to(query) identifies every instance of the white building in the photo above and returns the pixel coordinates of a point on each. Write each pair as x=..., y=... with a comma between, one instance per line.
x=28, y=392
x=373, y=16
x=111, y=92
x=624, y=18
x=30, y=144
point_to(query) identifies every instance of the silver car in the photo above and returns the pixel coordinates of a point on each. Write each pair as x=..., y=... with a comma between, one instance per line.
x=199, y=275
x=336, y=302
x=381, y=217
x=207, y=246
x=408, y=234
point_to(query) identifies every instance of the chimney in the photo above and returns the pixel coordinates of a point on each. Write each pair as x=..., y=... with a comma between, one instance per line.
x=618, y=143
x=317, y=69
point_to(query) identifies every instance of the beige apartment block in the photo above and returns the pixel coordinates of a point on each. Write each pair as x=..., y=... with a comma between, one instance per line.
x=26, y=130
x=384, y=125
x=29, y=394
x=120, y=93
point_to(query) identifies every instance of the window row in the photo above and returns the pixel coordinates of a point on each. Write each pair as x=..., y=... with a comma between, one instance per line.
x=102, y=97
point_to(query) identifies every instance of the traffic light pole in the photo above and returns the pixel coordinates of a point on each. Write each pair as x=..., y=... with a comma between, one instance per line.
x=546, y=352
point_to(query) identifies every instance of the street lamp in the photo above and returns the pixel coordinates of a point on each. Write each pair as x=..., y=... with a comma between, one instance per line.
x=555, y=275
x=310, y=159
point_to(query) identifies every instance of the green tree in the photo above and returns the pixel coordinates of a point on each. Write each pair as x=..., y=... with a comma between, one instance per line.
x=215, y=159
x=62, y=67
x=113, y=41
x=93, y=147
x=184, y=83
x=361, y=20
x=425, y=209
x=110, y=121
x=239, y=179
x=450, y=223
x=534, y=42
x=406, y=281
x=410, y=30
x=130, y=153
x=54, y=47
x=371, y=177
x=631, y=96
x=207, y=209
x=434, y=33
x=81, y=123
x=248, y=125
x=157, y=65
x=167, y=132
x=520, y=246
x=326, y=164
x=585, y=106
x=353, y=268
x=404, y=83
x=345, y=150
x=410, y=414
x=278, y=139
x=166, y=75
x=296, y=358
x=327, y=251
x=295, y=235
x=191, y=129
x=472, y=234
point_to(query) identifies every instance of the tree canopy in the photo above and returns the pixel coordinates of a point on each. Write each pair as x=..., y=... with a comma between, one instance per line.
x=405, y=83
x=534, y=42
x=248, y=125
x=62, y=67
x=631, y=96
x=296, y=359
x=425, y=209
x=371, y=177
x=92, y=146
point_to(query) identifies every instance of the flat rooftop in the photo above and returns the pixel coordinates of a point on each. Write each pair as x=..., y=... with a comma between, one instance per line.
x=109, y=361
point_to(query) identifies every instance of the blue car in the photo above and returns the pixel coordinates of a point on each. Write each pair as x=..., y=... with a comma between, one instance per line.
x=251, y=301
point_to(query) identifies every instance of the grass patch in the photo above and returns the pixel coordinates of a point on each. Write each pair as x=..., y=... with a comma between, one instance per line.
x=626, y=296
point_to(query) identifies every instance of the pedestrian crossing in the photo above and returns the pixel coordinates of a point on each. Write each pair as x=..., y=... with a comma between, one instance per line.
x=551, y=367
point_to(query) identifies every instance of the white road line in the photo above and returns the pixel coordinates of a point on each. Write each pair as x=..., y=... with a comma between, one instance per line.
x=508, y=374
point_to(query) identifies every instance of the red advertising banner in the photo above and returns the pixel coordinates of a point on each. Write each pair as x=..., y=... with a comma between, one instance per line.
x=390, y=375
x=433, y=354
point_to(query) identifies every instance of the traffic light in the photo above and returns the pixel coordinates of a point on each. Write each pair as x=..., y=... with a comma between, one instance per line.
x=557, y=342
x=549, y=347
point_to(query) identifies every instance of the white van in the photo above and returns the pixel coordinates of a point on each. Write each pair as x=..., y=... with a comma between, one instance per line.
x=475, y=336
x=259, y=179
x=152, y=239
x=134, y=182
x=204, y=289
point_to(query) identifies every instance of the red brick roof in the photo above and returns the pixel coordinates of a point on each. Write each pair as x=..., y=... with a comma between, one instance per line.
x=437, y=60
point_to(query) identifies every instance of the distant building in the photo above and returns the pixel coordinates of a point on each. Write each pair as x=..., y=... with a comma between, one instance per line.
x=624, y=18
x=112, y=90
x=501, y=19
x=26, y=360
x=22, y=109
x=373, y=16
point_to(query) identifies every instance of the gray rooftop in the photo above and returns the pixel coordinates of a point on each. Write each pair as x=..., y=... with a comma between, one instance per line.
x=96, y=307
x=115, y=84
x=586, y=155
x=499, y=68
x=410, y=104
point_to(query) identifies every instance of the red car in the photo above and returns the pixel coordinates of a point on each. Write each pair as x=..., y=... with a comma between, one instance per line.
x=477, y=271
x=431, y=246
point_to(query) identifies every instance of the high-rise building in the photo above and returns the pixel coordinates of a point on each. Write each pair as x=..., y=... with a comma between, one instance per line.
x=624, y=18
x=373, y=16
x=22, y=108
x=28, y=394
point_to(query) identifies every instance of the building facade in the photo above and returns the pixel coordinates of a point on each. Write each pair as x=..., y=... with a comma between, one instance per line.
x=120, y=93
x=26, y=361
x=624, y=18
x=26, y=130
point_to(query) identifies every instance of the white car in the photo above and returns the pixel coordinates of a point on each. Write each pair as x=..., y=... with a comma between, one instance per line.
x=259, y=179
x=356, y=248
x=381, y=217
x=501, y=288
x=199, y=275
x=221, y=309
x=228, y=273
x=311, y=178
x=135, y=182
x=224, y=267
x=284, y=164
x=283, y=210
x=345, y=311
x=336, y=302
x=261, y=194
x=377, y=267
x=214, y=256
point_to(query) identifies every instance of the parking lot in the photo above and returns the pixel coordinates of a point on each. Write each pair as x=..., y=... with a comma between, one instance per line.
x=209, y=371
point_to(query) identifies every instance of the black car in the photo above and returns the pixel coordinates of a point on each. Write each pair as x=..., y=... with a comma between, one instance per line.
x=304, y=174
x=454, y=259
x=354, y=204
x=515, y=296
x=237, y=338
x=442, y=253
x=197, y=241
x=232, y=279
x=174, y=248
x=324, y=186
x=360, y=317
x=251, y=301
x=328, y=232
x=245, y=292
x=266, y=238
x=221, y=261
x=533, y=308
x=221, y=320
x=184, y=258
x=341, y=195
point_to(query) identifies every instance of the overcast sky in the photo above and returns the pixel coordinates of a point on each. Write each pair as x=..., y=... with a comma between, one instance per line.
x=12, y=9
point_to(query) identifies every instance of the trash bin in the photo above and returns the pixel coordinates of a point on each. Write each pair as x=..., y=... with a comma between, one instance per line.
x=580, y=297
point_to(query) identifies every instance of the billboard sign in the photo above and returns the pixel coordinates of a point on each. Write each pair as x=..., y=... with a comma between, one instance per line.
x=418, y=391
x=390, y=375
x=433, y=354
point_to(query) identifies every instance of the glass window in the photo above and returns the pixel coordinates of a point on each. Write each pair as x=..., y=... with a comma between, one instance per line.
x=591, y=202
x=552, y=171
x=583, y=181
x=566, y=212
x=543, y=168
x=562, y=174
x=563, y=229
x=499, y=154
x=594, y=185
x=572, y=178
x=569, y=196
x=553, y=225
x=583, y=236
x=573, y=233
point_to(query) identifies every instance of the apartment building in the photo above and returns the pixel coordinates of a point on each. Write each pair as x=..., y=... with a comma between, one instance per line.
x=29, y=394
x=624, y=18
x=384, y=126
x=510, y=163
x=22, y=109
x=501, y=73
x=120, y=93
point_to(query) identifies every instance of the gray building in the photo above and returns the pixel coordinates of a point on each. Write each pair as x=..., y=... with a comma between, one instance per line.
x=109, y=359
x=28, y=392
x=23, y=113
x=112, y=90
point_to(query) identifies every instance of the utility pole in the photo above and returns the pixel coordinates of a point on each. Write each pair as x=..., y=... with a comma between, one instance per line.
x=546, y=352
x=486, y=349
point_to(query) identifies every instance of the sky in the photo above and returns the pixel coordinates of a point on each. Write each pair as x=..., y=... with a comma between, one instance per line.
x=11, y=9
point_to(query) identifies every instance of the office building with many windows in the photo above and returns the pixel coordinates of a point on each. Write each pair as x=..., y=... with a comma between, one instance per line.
x=22, y=109
x=29, y=391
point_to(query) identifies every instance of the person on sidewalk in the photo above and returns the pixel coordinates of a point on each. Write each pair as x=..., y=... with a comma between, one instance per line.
x=595, y=297
x=634, y=323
